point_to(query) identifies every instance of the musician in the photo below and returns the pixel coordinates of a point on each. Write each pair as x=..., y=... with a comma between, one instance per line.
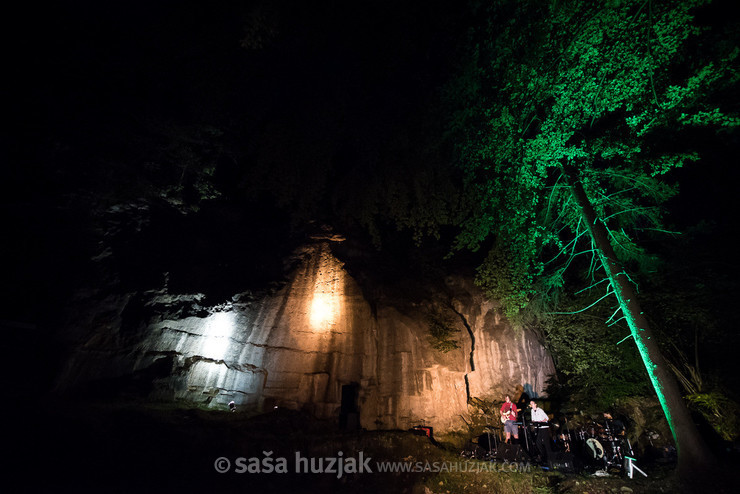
x=612, y=425
x=539, y=417
x=541, y=423
x=508, y=412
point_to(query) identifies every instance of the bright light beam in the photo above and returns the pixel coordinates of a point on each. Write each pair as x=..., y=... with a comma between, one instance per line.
x=218, y=331
x=323, y=310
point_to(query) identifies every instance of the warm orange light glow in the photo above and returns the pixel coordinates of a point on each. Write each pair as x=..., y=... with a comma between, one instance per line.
x=323, y=310
x=328, y=292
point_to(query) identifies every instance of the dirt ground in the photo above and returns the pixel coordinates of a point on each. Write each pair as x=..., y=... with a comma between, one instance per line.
x=140, y=448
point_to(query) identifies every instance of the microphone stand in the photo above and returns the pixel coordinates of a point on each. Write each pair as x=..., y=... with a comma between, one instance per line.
x=526, y=438
x=488, y=433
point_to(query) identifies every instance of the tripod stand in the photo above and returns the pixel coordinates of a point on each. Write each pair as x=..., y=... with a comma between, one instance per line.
x=630, y=466
x=629, y=460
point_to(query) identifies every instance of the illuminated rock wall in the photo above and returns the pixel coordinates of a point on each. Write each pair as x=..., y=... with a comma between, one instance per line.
x=505, y=358
x=298, y=347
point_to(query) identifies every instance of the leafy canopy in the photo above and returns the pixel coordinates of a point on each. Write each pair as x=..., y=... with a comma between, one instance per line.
x=590, y=86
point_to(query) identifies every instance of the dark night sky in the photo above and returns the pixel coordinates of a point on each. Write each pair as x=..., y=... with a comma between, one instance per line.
x=88, y=82
x=90, y=71
x=95, y=90
x=91, y=85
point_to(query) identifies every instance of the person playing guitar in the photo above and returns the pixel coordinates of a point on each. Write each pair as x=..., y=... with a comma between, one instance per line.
x=508, y=418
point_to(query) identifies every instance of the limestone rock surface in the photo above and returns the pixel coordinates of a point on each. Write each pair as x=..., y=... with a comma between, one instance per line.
x=315, y=344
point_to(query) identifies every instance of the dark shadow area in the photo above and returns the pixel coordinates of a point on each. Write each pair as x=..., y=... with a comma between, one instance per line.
x=148, y=447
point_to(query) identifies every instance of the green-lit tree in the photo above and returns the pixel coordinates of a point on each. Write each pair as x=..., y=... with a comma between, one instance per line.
x=568, y=133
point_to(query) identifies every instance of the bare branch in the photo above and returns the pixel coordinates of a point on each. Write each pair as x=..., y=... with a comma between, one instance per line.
x=608, y=293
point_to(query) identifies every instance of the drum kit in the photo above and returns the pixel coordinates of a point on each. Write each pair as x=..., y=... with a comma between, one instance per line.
x=599, y=445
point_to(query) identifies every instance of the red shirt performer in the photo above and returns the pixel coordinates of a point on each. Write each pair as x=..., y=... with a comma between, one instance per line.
x=508, y=417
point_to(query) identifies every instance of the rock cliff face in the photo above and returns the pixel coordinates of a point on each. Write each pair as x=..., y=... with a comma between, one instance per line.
x=315, y=344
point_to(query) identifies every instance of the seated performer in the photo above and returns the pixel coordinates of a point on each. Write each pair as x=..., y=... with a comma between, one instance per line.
x=541, y=423
x=613, y=425
x=508, y=417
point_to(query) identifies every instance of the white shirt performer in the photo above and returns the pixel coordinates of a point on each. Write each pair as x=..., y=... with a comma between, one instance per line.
x=542, y=440
x=538, y=414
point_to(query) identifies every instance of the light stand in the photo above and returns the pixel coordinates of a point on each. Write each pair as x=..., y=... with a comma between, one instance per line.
x=631, y=466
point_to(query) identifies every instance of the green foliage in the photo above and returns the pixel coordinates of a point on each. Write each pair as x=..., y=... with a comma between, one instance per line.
x=594, y=101
x=503, y=278
x=442, y=331
x=593, y=87
x=719, y=410
x=594, y=369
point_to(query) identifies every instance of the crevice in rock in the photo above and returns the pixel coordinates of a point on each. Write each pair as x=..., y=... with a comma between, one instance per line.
x=472, y=349
x=189, y=362
x=472, y=338
x=467, y=388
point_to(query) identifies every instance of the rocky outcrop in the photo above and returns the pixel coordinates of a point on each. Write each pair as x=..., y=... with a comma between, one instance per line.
x=315, y=344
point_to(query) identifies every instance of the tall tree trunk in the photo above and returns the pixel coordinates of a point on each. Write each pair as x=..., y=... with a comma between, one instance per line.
x=693, y=453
